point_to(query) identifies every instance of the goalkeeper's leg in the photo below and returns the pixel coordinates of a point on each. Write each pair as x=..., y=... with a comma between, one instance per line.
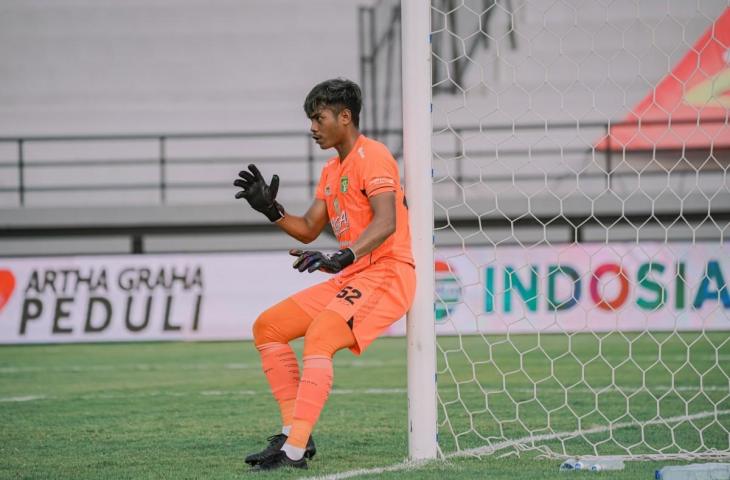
x=272, y=332
x=328, y=333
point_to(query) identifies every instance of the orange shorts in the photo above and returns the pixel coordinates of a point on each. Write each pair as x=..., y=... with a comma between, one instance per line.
x=370, y=300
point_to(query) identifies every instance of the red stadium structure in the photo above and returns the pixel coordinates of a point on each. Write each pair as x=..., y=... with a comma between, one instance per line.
x=689, y=108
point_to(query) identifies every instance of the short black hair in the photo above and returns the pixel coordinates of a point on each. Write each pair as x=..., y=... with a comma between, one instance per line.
x=336, y=93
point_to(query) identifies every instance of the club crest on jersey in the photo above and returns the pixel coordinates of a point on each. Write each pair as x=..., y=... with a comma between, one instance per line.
x=344, y=181
x=327, y=190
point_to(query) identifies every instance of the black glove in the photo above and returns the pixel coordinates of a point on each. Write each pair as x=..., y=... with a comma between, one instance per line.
x=258, y=194
x=311, y=260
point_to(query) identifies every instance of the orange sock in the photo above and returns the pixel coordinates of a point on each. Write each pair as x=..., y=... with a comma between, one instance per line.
x=282, y=371
x=272, y=331
x=314, y=389
x=327, y=334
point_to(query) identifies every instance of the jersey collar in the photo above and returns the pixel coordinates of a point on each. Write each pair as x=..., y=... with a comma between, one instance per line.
x=355, y=150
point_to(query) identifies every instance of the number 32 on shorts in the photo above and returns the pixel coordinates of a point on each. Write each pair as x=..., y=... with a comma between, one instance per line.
x=349, y=294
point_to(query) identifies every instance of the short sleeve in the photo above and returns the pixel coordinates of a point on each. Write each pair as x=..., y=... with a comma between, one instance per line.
x=319, y=192
x=380, y=173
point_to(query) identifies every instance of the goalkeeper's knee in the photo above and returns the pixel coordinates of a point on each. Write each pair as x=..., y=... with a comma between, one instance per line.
x=327, y=334
x=263, y=331
x=281, y=323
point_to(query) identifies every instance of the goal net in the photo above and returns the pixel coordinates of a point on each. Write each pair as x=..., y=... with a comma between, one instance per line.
x=581, y=208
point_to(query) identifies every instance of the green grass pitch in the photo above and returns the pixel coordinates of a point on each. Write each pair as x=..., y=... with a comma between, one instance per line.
x=193, y=410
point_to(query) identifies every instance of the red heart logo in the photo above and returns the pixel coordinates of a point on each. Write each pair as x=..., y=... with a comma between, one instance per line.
x=7, y=285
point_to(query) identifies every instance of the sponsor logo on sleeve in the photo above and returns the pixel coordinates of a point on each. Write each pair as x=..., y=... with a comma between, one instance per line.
x=378, y=181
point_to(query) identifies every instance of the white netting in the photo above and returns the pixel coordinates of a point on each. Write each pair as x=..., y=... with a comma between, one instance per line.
x=583, y=305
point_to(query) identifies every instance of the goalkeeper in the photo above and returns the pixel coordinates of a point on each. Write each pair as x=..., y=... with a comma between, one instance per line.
x=373, y=275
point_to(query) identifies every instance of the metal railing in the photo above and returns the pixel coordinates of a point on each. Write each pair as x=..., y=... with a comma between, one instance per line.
x=163, y=162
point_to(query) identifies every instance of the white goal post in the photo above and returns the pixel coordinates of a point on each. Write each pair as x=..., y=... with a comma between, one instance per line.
x=422, y=419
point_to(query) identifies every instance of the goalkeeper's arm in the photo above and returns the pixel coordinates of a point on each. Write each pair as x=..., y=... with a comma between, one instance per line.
x=262, y=198
x=307, y=227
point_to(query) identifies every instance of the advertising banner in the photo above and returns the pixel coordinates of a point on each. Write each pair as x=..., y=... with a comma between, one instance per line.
x=145, y=297
x=571, y=288
x=587, y=287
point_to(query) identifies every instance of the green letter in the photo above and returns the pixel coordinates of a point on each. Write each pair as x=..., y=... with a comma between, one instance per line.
x=681, y=283
x=704, y=293
x=529, y=295
x=489, y=290
x=569, y=302
x=651, y=285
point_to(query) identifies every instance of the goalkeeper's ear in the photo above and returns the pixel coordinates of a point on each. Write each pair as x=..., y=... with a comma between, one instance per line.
x=274, y=187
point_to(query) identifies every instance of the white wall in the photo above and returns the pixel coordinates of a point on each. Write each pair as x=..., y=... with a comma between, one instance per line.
x=115, y=66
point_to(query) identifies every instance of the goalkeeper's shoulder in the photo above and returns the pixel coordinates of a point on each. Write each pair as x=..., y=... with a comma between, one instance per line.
x=373, y=150
x=330, y=165
x=371, y=145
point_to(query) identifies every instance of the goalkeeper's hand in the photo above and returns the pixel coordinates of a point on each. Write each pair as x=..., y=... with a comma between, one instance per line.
x=311, y=260
x=258, y=194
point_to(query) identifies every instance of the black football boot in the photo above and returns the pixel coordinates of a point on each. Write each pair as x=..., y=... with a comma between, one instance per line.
x=280, y=460
x=275, y=444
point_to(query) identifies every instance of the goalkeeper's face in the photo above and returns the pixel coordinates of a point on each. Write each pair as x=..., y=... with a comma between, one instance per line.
x=328, y=128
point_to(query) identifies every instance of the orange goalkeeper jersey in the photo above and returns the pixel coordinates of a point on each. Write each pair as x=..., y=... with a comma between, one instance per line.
x=369, y=169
